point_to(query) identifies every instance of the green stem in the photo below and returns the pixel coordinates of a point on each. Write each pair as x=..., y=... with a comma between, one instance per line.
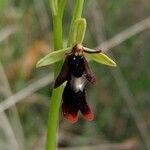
x=53, y=118
x=56, y=93
x=53, y=6
x=58, y=44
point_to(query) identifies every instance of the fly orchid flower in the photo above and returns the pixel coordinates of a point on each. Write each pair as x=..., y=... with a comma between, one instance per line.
x=76, y=72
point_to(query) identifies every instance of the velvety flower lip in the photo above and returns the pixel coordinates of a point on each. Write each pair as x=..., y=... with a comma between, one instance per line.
x=76, y=103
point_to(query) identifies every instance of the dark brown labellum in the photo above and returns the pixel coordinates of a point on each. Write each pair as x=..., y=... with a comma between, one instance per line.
x=75, y=71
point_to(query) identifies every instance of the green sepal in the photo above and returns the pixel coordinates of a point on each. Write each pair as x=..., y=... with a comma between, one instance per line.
x=52, y=57
x=100, y=58
x=79, y=30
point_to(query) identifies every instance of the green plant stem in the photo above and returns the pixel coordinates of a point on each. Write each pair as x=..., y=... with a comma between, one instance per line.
x=57, y=93
x=53, y=118
x=54, y=6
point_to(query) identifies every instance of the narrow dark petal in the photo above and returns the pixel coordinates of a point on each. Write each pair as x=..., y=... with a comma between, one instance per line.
x=90, y=78
x=88, y=73
x=92, y=52
x=63, y=75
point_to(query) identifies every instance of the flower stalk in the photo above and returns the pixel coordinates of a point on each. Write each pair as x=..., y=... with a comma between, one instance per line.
x=57, y=11
x=56, y=93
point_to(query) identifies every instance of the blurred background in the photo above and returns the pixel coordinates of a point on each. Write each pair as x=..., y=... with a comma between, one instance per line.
x=120, y=100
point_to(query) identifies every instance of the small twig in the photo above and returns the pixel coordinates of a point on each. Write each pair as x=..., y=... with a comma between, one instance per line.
x=33, y=87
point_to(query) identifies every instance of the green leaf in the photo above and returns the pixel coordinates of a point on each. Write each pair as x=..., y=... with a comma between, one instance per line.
x=101, y=58
x=52, y=57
